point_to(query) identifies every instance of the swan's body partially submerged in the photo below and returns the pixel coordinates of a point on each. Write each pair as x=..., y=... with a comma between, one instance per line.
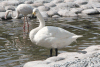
x=50, y=36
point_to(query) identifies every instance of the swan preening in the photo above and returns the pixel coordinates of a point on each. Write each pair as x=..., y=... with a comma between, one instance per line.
x=50, y=36
x=24, y=9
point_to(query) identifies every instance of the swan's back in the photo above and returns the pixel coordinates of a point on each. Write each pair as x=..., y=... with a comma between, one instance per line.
x=53, y=37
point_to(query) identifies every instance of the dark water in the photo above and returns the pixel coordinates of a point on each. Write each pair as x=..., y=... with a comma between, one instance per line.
x=16, y=48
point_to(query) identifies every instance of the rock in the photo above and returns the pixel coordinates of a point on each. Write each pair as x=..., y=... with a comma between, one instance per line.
x=43, y=8
x=90, y=11
x=66, y=13
x=56, y=1
x=81, y=2
x=71, y=59
x=54, y=59
x=55, y=16
x=49, y=4
x=10, y=3
x=28, y=2
x=87, y=6
x=2, y=9
x=52, y=12
x=37, y=4
x=67, y=5
x=44, y=13
x=40, y=1
x=69, y=1
x=10, y=8
x=98, y=1
x=76, y=10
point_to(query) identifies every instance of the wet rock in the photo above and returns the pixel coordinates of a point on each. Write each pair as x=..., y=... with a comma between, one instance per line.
x=10, y=8
x=43, y=8
x=55, y=16
x=90, y=11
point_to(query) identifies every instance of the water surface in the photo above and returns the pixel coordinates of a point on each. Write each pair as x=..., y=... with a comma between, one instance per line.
x=16, y=48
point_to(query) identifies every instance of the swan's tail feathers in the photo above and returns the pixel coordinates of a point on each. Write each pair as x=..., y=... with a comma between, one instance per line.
x=77, y=36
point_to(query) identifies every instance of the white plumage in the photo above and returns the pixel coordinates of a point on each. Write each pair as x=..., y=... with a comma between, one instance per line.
x=24, y=9
x=50, y=36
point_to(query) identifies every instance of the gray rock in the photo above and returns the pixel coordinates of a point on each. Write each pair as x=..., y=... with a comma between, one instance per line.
x=98, y=1
x=10, y=3
x=81, y=2
x=43, y=8
x=90, y=11
x=67, y=5
x=28, y=2
x=37, y=4
x=52, y=12
x=69, y=1
x=40, y=1
x=44, y=13
x=10, y=8
x=55, y=16
x=50, y=4
x=56, y=1
x=2, y=9
x=87, y=6
x=76, y=10
x=66, y=13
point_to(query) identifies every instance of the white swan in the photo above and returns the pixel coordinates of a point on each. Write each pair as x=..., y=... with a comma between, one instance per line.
x=24, y=9
x=50, y=36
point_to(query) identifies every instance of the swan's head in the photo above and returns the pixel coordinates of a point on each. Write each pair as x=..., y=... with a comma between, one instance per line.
x=35, y=12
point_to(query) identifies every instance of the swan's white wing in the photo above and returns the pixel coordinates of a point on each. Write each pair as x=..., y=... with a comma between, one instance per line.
x=50, y=37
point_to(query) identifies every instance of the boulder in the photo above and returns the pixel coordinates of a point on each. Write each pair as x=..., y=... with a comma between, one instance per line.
x=50, y=4
x=69, y=1
x=28, y=2
x=90, y=11
x=52, y=12
x=81, y=2
x=43, y=8
x=10, y=8
x=2, y=9
x=37, y=4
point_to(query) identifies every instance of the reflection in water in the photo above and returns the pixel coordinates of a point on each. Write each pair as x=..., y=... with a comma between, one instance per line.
x=17, y=49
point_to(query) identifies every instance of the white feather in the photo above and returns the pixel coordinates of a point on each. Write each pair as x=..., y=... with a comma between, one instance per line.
x=50, y=36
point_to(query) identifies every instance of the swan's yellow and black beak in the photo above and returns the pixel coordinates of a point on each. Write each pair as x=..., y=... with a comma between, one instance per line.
x=34, y=13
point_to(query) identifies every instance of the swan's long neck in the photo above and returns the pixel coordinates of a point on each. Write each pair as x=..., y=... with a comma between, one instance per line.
x=41, y=25
x=41, y=20
x=7, y=12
